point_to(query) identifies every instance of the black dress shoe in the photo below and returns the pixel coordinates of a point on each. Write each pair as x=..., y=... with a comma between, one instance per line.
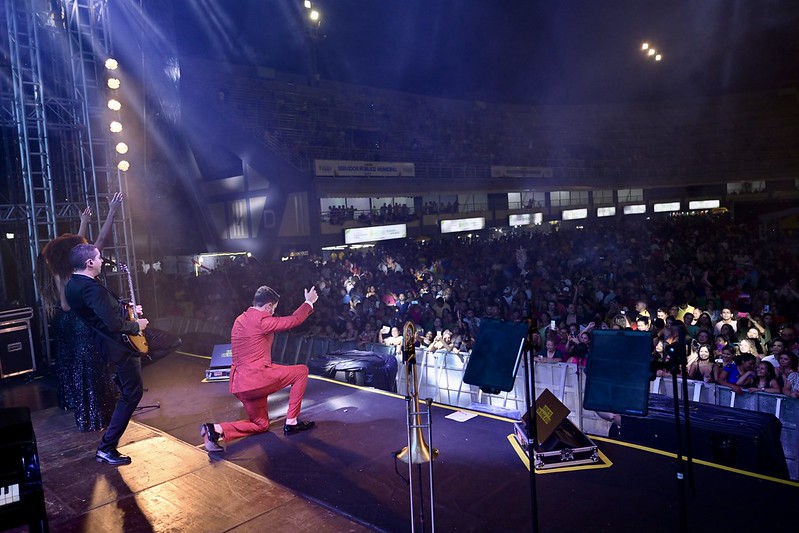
x=296, y=428
x=113, y=458
x=211, y=438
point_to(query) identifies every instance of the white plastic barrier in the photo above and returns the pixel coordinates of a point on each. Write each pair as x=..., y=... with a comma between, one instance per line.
x=441, y=378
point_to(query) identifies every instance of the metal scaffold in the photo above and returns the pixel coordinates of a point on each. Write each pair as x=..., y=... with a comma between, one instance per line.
x=57, y=150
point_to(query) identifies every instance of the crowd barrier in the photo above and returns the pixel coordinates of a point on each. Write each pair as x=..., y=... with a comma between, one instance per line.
x=441, y=378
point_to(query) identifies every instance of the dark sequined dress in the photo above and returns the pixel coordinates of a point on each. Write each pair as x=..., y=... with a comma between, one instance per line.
x=84, y=379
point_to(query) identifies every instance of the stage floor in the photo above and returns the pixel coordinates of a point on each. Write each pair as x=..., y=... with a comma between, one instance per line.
x=346, y=466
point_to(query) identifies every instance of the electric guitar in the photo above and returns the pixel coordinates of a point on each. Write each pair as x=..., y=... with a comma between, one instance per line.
x=137, y=342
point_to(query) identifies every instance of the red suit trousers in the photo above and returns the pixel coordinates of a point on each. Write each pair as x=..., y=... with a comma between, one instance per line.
x=255, y=401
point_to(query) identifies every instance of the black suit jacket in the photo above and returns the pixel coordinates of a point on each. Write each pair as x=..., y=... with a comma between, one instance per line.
x=102, y=311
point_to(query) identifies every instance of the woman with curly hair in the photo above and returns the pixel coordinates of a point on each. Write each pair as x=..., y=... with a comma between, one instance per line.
x=84, y=383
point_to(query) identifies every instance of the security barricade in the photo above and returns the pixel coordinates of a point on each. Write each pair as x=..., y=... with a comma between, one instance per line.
x=441, y=378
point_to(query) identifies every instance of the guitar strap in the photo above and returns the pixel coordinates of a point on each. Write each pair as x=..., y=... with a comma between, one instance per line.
x=120, y=344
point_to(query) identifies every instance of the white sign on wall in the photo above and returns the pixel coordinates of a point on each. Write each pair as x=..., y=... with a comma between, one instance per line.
x=463, y=224
x=375, y=233
x=326, y=167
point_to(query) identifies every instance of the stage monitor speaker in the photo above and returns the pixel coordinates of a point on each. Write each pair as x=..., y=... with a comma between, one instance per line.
x=617, y=373
x=738, y=438
x=495, y=356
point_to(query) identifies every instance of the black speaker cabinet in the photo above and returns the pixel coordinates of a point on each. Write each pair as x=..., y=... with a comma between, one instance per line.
x=617, y=374
x=747, y=440
x=16, y=342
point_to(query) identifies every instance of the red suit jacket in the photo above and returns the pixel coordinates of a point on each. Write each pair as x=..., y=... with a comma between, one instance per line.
x=251, y=339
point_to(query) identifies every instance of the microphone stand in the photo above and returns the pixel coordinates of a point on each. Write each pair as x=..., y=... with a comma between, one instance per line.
x=678, y=363
x=529, y=398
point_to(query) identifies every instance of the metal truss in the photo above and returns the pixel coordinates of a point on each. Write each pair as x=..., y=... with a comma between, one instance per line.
x=53, y=100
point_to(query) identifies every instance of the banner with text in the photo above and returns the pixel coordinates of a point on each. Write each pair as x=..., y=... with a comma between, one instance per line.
x=375, y=233
x=363, y=168
x=463, y=224
x=520, y=172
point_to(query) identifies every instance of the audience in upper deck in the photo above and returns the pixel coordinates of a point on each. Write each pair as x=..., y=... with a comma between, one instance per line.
x=604, y=276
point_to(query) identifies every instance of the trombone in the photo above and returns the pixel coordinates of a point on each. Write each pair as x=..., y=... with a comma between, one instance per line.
x=417, y=452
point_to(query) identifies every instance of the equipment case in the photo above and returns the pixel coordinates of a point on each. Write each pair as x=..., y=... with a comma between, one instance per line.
x=567, y=446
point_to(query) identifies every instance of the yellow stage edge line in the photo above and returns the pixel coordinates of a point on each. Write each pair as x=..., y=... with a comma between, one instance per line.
x=208, y=357
x=699, y=461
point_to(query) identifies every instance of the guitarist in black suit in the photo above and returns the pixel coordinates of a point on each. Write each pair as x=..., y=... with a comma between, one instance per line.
x=102, y=312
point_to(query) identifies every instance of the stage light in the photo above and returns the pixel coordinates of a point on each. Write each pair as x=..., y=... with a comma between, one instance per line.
x=658, y=57
x=113, y=83
x=314, y=15
x=111, y=63
x=645, y=46
x=307, y=4
x=123, y=165
x=9, y=236
x=122, y=148
x=114, y=105
x=651, y=52
x=115, y=127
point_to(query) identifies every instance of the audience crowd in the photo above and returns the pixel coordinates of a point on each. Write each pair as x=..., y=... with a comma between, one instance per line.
x=730, y=295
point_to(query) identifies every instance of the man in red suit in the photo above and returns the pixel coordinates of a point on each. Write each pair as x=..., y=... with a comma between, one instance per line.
x=253, y=375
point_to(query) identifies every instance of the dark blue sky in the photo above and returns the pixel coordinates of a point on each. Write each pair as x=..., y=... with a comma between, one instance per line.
x=515, y=50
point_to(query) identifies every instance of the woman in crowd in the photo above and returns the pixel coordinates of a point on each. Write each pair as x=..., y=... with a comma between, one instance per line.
x=462, y=341
x=350, y=334
x=394, y=338
x=740, y=374
x=788, y=374
x=756, y=336
x=704, y=322
x=443, y=342
x=426, y=341
x=726, y=356
x=748, y=346
x=765, y=379
x=551, y=353
x=367, y=336
x=579, y=351
x=721, y=342
x=703, y=337
x=729, y=334
x=701, y=363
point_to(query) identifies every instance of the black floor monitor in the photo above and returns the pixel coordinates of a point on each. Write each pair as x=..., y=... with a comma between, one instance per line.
x=617, y=373
x=495, y=355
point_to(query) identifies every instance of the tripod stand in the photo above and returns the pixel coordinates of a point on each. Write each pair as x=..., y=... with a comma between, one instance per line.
x=678, y=362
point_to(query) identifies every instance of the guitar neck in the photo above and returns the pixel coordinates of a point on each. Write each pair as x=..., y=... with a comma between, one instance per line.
x=126, y=270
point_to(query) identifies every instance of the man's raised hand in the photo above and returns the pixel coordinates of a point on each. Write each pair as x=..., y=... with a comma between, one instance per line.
x=311, y=296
